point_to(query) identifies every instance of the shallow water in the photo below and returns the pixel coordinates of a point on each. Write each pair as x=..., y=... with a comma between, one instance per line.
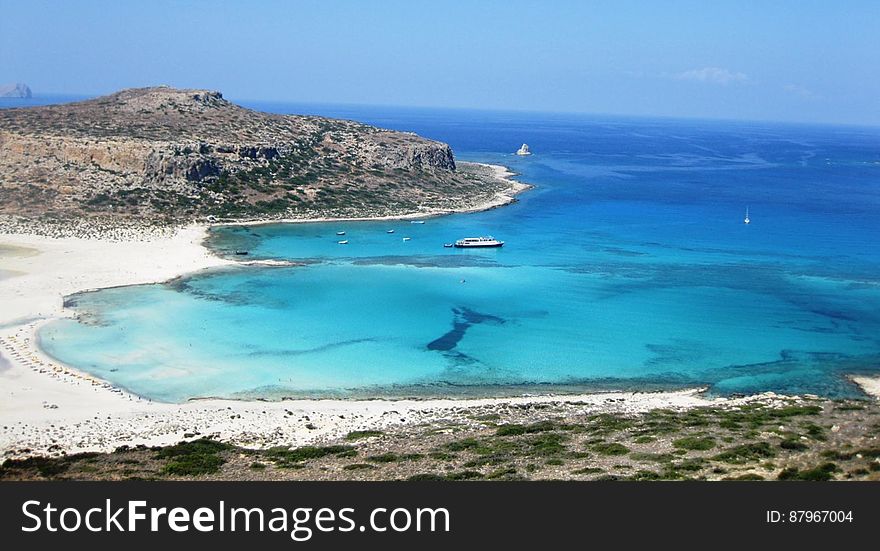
x=628, y=266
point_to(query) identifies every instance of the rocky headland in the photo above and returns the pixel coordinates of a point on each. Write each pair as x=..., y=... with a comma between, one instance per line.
x=168, y=156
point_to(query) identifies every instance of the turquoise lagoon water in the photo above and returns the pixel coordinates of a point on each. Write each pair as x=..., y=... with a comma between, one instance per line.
x=628, y=266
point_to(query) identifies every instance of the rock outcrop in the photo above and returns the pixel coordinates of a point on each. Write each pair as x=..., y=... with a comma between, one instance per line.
x=17, y=90
x=180, y=155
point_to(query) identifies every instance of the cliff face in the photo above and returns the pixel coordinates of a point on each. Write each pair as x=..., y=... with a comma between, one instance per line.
x=176, y=155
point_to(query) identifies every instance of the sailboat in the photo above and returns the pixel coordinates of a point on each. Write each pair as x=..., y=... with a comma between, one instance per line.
x=747, y=220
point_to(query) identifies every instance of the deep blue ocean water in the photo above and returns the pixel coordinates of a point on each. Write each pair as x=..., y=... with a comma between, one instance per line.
x=627, y=266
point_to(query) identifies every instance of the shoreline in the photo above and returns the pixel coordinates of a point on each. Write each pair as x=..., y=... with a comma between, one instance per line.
x=47, y=408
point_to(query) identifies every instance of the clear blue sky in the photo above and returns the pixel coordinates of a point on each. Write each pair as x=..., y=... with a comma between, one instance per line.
x=762, y=60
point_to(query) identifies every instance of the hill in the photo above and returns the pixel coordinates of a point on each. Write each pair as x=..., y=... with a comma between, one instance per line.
x=167, y=155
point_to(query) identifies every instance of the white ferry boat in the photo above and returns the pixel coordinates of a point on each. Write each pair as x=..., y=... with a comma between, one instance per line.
x=474, y=242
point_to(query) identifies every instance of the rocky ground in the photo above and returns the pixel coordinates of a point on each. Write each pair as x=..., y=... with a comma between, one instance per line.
x=766, y=437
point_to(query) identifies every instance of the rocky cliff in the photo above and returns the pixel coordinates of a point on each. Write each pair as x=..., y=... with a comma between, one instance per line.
x=170, y=155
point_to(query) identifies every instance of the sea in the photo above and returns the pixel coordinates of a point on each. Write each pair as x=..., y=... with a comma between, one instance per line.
x=628, y=266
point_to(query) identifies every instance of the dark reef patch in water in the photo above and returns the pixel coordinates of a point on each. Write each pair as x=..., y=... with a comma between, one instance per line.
x=835, y=314
x=820, y=373
x=210, y=285
x=463, y=318
x=678, y=351
x=314, y=350
x=769, y=280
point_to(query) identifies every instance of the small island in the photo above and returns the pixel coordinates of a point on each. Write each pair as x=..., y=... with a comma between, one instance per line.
x=17, y=90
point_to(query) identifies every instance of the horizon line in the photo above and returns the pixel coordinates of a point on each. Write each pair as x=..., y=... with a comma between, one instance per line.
x=242, y=100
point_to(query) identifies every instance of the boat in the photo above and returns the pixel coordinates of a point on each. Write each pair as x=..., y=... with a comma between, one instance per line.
x=407, y=238
x=747, y=219
x=241, y=253
x=448, y=245
x=417, y=222
x=524, y=150
x=478, y=242
x=340, y=233
x=390, y=231
x=343, y=242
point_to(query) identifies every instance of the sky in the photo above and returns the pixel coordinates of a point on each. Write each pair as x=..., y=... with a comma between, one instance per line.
x=786, y=60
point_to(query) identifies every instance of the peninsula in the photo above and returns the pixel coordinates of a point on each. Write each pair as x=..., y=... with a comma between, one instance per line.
x=169, y=156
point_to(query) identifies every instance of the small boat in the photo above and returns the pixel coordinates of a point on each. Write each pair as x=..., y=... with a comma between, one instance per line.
x=478, y=242
x=407, y=238
x=343, y=242
x=448, y=245
x=747, y=219
x=524, y=150
x=240, y=253
x=390, y=231
x=417, y=222
x=340, y=233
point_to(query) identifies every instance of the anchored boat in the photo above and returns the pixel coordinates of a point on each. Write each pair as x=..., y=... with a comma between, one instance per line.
x=477, y=242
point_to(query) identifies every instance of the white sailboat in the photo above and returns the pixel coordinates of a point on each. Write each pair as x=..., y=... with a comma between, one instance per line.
x=523, y=151
x=747, y=219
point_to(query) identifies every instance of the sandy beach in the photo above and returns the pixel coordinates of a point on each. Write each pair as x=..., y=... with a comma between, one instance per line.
x=49, y=408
